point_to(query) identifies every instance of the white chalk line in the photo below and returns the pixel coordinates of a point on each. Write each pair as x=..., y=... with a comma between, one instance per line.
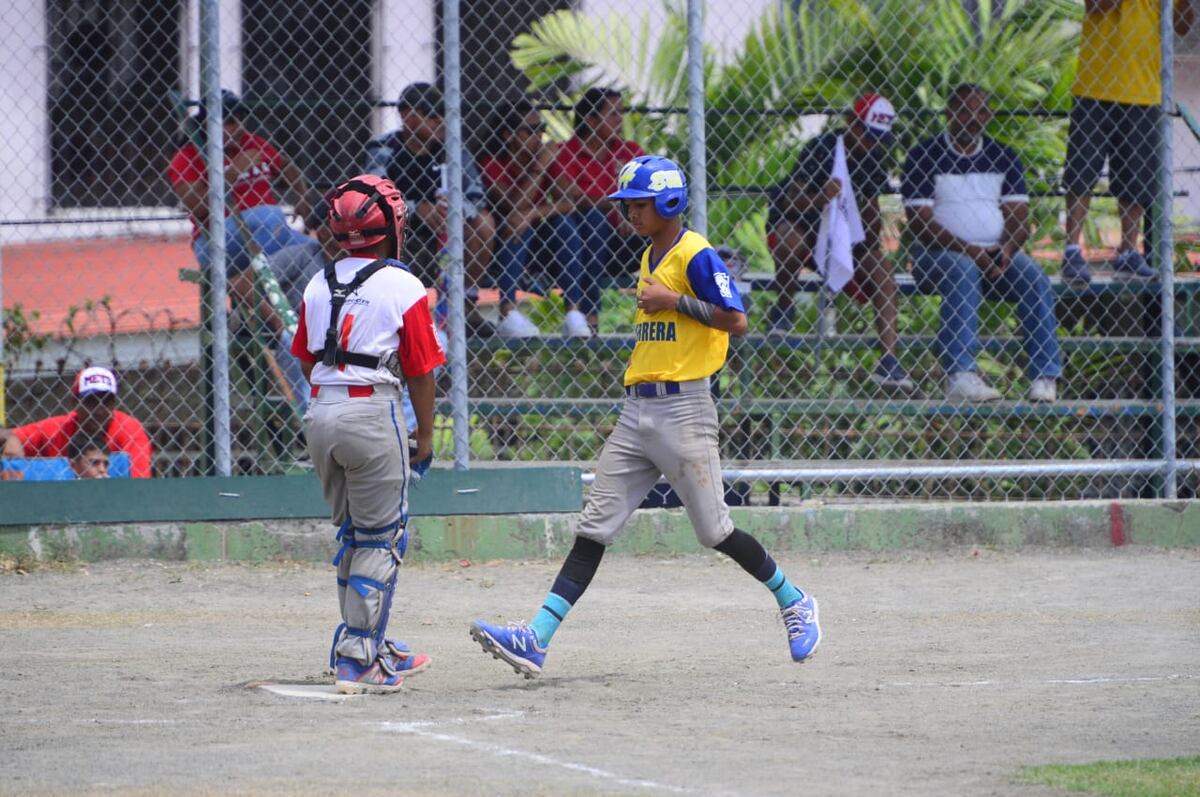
x=1081, y=681
x=87, y=721
x=425, y=730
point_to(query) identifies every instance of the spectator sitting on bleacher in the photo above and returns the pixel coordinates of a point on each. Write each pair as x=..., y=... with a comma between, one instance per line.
x=528, y=193
x=252, y=165
x=95, y=413
x=967, y=207
x=590, y=160
x=88, y=458
x=1118, y=98
x=414, y=158
x=795, y=218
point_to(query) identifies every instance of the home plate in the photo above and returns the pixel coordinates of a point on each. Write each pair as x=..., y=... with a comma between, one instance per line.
x=302, y=691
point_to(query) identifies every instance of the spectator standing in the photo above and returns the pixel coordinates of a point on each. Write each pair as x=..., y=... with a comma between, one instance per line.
x=1118, y=98
x=795, y=219
x=95, y=413
x=590, y=160
x=414, y=158
x=87, y=456
x=252, y=167
x=528, y=191
x=967, y=207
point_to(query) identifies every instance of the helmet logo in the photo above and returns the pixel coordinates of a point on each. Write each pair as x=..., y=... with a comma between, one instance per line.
x=628, y=172
x=667, y=178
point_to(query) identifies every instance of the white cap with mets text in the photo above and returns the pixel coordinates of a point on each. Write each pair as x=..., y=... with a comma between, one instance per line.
x=94, y=381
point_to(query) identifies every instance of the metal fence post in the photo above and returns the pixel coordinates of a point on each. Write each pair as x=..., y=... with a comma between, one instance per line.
x=1164, y=233
x=697, y=151
x=452, y=75
x=210, y=83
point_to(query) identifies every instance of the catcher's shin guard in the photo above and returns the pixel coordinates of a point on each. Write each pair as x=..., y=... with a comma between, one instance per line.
x=368, y=564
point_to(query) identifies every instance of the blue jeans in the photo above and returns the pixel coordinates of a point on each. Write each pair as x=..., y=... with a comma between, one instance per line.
x=558, y=237
x=597, y=236
x=963, y=287
x=269, y=228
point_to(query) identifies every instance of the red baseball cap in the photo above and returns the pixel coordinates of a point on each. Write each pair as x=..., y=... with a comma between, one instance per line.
x=877, y=115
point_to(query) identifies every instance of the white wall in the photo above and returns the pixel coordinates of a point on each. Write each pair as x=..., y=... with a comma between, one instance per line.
x=230, y=43
x=405, y=52
x=24, y=138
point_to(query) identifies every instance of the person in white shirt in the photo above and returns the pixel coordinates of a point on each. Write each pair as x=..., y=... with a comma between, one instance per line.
x=968, y=208
x=365, y=333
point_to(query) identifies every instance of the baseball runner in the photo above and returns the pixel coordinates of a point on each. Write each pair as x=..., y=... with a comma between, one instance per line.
x=687, y=307
x=364, y=331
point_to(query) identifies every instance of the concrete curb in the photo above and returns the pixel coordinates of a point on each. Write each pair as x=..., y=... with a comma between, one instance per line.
x=811, y=528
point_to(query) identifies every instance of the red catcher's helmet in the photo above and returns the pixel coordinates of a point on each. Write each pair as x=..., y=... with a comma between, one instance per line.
x=366, y=210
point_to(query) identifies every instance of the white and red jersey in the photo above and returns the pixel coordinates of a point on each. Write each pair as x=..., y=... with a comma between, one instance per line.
x=390, y=311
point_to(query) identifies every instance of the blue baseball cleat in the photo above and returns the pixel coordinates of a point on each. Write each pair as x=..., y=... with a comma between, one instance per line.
x=385, y=674
x=515, y=643
x=804, y=633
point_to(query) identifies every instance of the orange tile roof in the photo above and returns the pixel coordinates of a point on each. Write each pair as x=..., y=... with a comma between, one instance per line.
x=140, y=276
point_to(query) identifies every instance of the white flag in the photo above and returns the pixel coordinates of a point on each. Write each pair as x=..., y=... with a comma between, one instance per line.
x=841, y=228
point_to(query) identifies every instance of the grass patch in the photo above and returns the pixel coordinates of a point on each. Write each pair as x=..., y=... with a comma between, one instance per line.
x=1166, y=777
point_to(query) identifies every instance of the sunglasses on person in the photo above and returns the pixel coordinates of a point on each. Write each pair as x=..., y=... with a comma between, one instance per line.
x=529, y=129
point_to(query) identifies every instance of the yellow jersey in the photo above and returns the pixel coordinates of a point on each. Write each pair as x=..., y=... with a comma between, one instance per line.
x=1120, y=54
x=671, y=346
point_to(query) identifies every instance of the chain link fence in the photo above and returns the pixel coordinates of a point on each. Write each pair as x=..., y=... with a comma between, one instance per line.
x=997, y=333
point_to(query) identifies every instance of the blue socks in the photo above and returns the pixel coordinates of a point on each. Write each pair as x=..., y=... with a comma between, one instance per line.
x=785, y=592
x=568, y=588
x=549, y=617
x=754, y=559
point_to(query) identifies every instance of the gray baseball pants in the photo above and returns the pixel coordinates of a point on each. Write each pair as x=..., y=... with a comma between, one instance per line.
x=360, y=452
x=675, y=436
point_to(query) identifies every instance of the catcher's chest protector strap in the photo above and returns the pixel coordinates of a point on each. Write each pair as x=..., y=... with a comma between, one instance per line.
x=332, y=354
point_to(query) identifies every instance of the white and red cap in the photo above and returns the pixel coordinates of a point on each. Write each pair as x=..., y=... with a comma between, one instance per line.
x=876, y=114
x=94, y=381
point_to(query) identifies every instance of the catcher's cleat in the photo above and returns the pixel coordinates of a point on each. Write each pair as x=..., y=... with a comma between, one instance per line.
x=515, y=643
x=804, y=633
x=385, y=674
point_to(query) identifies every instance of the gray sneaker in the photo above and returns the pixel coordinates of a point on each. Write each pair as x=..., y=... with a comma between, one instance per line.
x=968, y=386
x=1132, y=267
x=1075, y=271
x=889, y=373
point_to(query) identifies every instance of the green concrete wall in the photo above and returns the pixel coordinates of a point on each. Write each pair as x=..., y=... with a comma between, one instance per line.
x=533, y=536
x=441, y=492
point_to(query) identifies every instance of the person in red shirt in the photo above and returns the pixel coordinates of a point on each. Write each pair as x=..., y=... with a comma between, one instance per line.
x=529, y=194
x=252, y=168
x=95, y=413
x=590, y=161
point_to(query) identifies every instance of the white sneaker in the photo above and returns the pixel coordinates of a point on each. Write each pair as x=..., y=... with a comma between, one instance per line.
x=1044, y=389
x=969, y=386
x=516, y=325
x=575, y=325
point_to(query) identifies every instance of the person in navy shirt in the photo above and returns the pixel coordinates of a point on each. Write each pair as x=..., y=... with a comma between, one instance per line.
x=794, y=221
x=967, y=208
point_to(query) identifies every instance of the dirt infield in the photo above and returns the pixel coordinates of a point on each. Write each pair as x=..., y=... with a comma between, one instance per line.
x=938, y=675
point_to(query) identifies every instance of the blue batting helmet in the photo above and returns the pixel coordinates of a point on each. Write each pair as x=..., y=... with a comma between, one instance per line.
x=657, y=178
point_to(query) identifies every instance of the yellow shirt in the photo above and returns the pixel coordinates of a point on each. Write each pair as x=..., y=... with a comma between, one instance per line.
x=1120, y=54
x=673, y=347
